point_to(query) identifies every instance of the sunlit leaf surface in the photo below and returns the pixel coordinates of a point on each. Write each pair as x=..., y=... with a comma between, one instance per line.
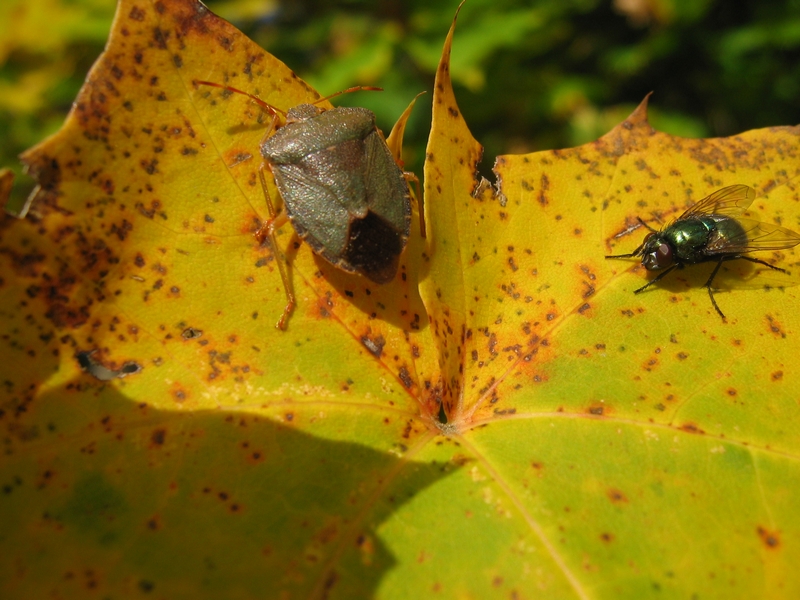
x=505, y=419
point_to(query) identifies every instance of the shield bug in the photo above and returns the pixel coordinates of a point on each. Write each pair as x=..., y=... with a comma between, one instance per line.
x=711, y=231
x=342, y=190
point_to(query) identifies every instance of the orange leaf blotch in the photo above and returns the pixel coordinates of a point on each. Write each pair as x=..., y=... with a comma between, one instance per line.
x=770, y=539
x=616, y=496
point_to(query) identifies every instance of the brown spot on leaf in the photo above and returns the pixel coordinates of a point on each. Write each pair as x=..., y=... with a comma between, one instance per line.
x=691, y=428
x=650, y=364
x=770, y=539
x=150, y=166
x=190, y=333
x=236, y=156
x=775, y=327
x=160, y=38
x=405, y=377
x=330, y=581
x=543, y=187
x=158, y=436
x=492, y=346
x=616, y=496
x=136, y=14
x=374, y=345
x=179, y=393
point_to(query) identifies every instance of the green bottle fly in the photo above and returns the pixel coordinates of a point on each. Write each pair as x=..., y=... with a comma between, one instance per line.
x=711, y=231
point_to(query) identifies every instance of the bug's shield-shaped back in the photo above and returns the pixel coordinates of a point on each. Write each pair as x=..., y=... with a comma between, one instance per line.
x=321, y=196
x=343, y=191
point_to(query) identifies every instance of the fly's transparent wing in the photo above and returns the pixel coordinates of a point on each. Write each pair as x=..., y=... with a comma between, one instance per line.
x=732, y=201
x=750, y=235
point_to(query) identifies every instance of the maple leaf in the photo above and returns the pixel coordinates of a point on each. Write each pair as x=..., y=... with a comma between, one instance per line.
x=506, y=417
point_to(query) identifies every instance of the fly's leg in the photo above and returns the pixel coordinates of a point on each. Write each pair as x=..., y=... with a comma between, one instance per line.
x=763, y=262
x=657, y=279
x=719, y=264
x=646, y=225
x=634, y=254
x=710, y=280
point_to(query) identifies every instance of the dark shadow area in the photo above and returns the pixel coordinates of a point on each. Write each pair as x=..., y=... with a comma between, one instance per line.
x=733, y=275
x=201, y=504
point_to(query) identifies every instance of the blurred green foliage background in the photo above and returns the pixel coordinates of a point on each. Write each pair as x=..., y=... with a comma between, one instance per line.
x=528, y=75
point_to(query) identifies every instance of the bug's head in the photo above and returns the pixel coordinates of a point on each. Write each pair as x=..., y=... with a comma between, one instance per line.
x=302, y=112
x=656, y=253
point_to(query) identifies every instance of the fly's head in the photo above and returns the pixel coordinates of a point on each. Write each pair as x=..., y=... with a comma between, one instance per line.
x=656, y=253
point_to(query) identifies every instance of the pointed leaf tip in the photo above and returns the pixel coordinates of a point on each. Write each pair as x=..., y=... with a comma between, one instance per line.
x=6, y=183
x=638, y=118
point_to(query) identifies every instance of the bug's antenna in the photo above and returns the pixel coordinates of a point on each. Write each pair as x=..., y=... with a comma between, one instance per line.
x=358, y=88
x=268, y=107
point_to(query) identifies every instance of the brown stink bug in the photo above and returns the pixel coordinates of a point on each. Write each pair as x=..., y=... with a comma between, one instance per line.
x=342, y=190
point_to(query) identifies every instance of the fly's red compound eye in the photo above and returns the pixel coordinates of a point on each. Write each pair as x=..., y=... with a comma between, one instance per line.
x=664, y=255
x=658, y=258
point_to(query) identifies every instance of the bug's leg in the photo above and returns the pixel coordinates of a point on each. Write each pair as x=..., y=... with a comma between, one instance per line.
x=267, y=230
x=708, y=286
x=410, y=177
x=276, y=218
x=763, y=262
x=657, y=279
